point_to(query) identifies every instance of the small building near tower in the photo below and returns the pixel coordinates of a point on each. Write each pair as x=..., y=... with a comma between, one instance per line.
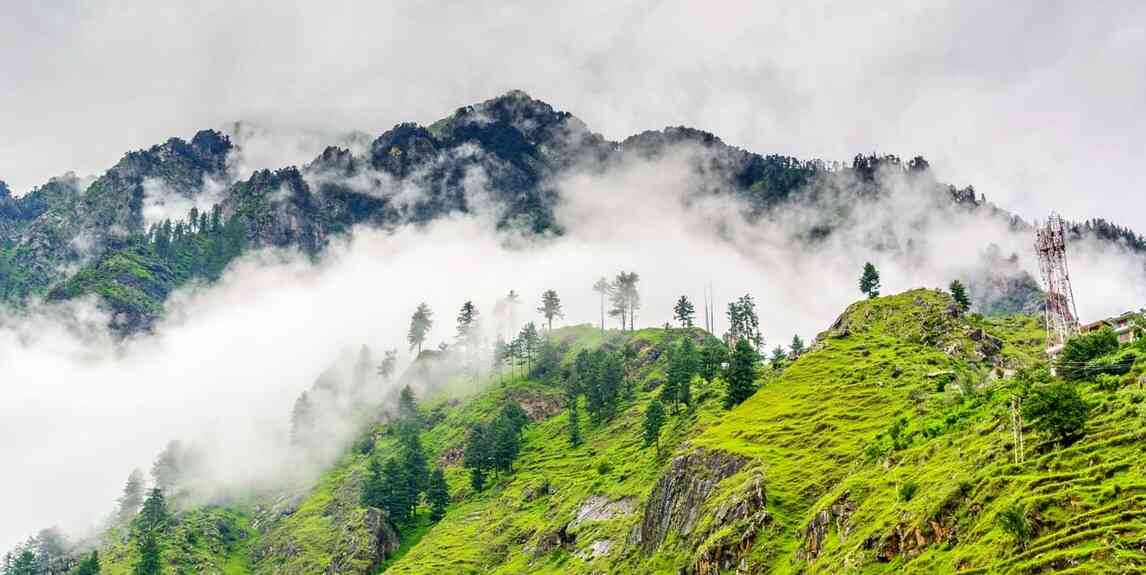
x=1126, y=326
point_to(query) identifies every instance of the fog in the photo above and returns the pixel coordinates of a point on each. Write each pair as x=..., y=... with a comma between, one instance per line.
x=80, y=409
x=1041, y=105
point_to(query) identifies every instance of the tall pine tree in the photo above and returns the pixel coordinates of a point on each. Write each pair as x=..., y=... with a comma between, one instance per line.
x=420, y=324
x=741, y=376
x=438, y=494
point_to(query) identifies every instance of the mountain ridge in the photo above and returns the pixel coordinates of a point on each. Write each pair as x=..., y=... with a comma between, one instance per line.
x=503, y=152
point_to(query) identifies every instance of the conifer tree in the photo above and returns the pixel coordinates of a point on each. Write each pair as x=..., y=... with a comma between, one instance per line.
x=467, y=329
x=505, y=443
x=408, y=408
x=420, y=324
x=477, y=456
x=89, y=565
x=167, y=469
x=741, y=376
x=778, y=357
x=797, y=346
x=869, y=281
x=438, y=494
x=712, y=356
x=601, y=286
x=132, y=496
x=374, y=487
x=683, y=312
x=396, y=496
x=414, y=473
x=388, y=365
x=624, y=298
x=654, y=419
x=743, y=323
x=959, y=294
x=150, y=557
x=550, y=308
x=529, y=344
x=574, y=423
x=153, y=516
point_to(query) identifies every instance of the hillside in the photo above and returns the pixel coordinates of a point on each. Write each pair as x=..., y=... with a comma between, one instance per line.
x=887, y=447
x=116, y=236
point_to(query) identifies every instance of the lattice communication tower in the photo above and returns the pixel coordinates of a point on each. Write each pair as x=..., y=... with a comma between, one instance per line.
x=1061, y=314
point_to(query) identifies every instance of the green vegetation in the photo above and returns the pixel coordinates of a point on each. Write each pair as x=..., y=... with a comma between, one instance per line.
x=959, y=294
x=891, y=446
x=869, y=281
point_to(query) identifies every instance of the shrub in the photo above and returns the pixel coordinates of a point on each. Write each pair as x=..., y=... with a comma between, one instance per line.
x=1057, y=410
x=604, y=467
x=907, y=490
x=1013, y=521
x=1081, y=349
x=1107, y=382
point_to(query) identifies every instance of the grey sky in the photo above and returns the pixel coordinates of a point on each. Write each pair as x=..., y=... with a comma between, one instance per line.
x=1040, y=105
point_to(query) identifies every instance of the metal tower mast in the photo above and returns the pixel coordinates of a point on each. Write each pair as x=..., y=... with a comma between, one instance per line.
x=1061, y=314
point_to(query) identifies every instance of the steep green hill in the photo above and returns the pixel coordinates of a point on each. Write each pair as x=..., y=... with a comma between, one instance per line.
x=888, y=447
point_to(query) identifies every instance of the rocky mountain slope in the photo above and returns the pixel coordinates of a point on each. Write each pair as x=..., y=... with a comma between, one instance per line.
x=888, y=447
x=115, y=237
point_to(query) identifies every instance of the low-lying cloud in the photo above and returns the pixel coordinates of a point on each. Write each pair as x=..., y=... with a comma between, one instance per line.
x=79, y=409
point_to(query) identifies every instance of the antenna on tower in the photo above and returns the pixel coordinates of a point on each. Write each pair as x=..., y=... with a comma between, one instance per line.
x=1061, y=314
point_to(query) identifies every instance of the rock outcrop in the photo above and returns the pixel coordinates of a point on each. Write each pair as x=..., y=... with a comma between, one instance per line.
x=676, y=501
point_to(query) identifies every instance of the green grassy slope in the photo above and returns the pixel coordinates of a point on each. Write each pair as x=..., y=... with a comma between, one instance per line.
x=886, y=448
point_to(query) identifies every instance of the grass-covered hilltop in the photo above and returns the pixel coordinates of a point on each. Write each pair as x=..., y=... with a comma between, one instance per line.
x=910, y=436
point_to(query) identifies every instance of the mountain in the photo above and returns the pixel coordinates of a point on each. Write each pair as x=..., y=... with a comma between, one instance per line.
x=116, y=237
x=892, y=445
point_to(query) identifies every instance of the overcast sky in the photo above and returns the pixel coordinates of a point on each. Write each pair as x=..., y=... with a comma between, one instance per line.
x=1039, y=104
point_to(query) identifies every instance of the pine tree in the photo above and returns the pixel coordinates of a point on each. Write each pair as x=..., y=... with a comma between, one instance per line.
x=166, y=470
x=89, y=565
x=741, y=377
x=712, y=356
x=374, y=487
x=869, y=281
x=778, y=357
x=408, y=408
x=420, y=324
x=438, y=494
x=414, y=474
x=396, y=496
x=654, y=419
x=574, y=423
x=602, y=288
x=132, y=497
x=516, y=416
x=625, y=298
x=388, y=365
x=468, y=326
x=687, y=367
x=150, y=556
x=477, y=457
x=797, y=346
x=153, y=516
x=743, y=323
x=550, y=308
x=505, y=443
x=612, y=381
x=22, y=562
x=683, y=312
x=959, y=294
x=529, y=344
